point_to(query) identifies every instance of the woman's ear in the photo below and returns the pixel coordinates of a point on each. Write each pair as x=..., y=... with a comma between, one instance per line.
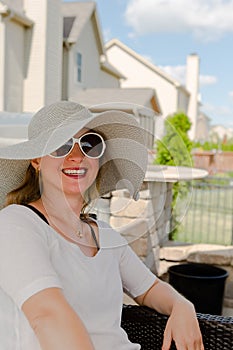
x=36, y=163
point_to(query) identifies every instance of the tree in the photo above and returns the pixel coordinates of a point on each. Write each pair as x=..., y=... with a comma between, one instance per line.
x=175, y=149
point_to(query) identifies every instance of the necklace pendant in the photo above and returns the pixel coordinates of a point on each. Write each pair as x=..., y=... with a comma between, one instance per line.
x=79, y=234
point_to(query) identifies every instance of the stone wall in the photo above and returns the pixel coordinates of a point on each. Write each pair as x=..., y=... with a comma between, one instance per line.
x=144, y=223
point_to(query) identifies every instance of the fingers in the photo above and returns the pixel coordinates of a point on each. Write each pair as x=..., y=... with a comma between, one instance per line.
x=167, y=338
x=189, y=344
x=183, y=339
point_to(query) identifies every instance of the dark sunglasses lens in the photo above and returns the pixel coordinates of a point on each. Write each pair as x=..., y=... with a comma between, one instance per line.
x=63, y=150
x=92, y=145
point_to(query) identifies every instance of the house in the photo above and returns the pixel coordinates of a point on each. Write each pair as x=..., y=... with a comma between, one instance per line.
x=30, y=54
x=88, y=76
x=85, y=63
x=203, y=128
x=50, y=51
x=142, y=103
x=172, y=95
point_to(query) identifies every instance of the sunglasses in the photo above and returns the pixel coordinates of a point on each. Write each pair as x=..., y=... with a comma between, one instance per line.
x=91, y=144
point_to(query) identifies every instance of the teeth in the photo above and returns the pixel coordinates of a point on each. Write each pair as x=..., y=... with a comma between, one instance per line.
x=75, y=172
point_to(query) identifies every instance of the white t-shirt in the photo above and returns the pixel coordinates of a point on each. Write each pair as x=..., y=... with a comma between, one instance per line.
x=33, y=256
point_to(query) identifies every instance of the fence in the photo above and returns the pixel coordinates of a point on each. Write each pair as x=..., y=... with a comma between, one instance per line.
x=209, y=218
x=213, y=161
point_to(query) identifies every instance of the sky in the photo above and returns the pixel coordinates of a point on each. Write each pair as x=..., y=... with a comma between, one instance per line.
x=166, y=31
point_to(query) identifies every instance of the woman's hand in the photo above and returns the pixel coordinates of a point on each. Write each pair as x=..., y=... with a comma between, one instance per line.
x=183, y=328
x=182, y=325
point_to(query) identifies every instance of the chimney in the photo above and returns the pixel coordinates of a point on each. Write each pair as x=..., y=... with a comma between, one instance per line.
x=192, y=85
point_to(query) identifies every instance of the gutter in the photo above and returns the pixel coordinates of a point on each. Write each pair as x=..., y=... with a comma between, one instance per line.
x=16, y=16
x=69, y=42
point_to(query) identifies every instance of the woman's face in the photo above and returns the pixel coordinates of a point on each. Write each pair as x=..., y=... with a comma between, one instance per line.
x=73, y=174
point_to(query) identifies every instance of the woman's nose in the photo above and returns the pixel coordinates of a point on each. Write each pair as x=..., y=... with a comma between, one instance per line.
x=76, y=152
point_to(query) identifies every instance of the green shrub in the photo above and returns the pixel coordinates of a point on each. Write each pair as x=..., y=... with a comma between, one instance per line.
x=175, y=149
x=209, y=146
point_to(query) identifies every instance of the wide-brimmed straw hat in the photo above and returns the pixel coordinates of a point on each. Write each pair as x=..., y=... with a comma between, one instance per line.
x=124, y=162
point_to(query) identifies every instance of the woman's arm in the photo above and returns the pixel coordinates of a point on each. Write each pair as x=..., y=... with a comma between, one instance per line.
x=55, y=323
x=182, y=325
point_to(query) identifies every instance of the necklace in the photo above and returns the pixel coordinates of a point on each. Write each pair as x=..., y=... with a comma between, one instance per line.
x=79, y=232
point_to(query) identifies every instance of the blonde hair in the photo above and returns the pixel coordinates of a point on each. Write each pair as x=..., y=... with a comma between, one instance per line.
x=28, y=191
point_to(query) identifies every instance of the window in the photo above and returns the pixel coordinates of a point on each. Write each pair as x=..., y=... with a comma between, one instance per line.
x=79, y=66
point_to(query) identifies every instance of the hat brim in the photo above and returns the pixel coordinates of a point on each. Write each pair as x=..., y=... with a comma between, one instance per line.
x=123, y=165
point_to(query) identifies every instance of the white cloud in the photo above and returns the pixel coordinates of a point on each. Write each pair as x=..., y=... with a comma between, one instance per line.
x=223, y=111
x=179, y=73
x=231, y=94
x=208, y=80
x=206, y=20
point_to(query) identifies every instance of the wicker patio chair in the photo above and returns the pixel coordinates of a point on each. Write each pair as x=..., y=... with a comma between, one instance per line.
x=146, y=327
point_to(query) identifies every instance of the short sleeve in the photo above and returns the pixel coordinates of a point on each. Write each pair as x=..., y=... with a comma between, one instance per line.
x=136, y=277
x=25, y=266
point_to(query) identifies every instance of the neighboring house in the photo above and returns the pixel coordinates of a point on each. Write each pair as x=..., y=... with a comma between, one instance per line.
x=90, y=79
x=49, y=51
x=203, y=128
x=172, y=95
x=142, y=103
x=30, y=54
x=84, y=60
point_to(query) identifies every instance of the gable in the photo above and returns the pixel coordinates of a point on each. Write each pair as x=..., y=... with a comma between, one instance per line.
x=76, y=15
x=135, y=56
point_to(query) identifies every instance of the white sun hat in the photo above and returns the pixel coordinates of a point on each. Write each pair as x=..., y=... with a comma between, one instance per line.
x=124, y=162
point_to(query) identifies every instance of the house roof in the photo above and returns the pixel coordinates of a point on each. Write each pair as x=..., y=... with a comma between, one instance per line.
x=118, y=98
x=151, y=66
x=75, y=17
x=13, y=118
x=107, y=67
x=13, y=127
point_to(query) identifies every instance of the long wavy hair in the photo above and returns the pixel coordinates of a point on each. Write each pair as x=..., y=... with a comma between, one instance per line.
x=28, y=191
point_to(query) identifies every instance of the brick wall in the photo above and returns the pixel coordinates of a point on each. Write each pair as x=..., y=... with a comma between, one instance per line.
x=214, y=162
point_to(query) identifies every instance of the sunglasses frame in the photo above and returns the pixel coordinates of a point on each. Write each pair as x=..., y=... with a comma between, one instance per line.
x=78, y=141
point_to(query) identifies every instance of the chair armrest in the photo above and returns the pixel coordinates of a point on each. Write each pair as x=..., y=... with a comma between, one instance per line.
x=146, y=327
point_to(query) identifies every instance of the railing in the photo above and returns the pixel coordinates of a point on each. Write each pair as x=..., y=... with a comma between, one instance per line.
x=209, y=218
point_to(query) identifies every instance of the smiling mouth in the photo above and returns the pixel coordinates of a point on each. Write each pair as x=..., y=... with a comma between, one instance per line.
x=75, y=172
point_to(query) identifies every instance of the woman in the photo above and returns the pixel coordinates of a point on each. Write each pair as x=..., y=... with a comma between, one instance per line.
x=62, y=273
